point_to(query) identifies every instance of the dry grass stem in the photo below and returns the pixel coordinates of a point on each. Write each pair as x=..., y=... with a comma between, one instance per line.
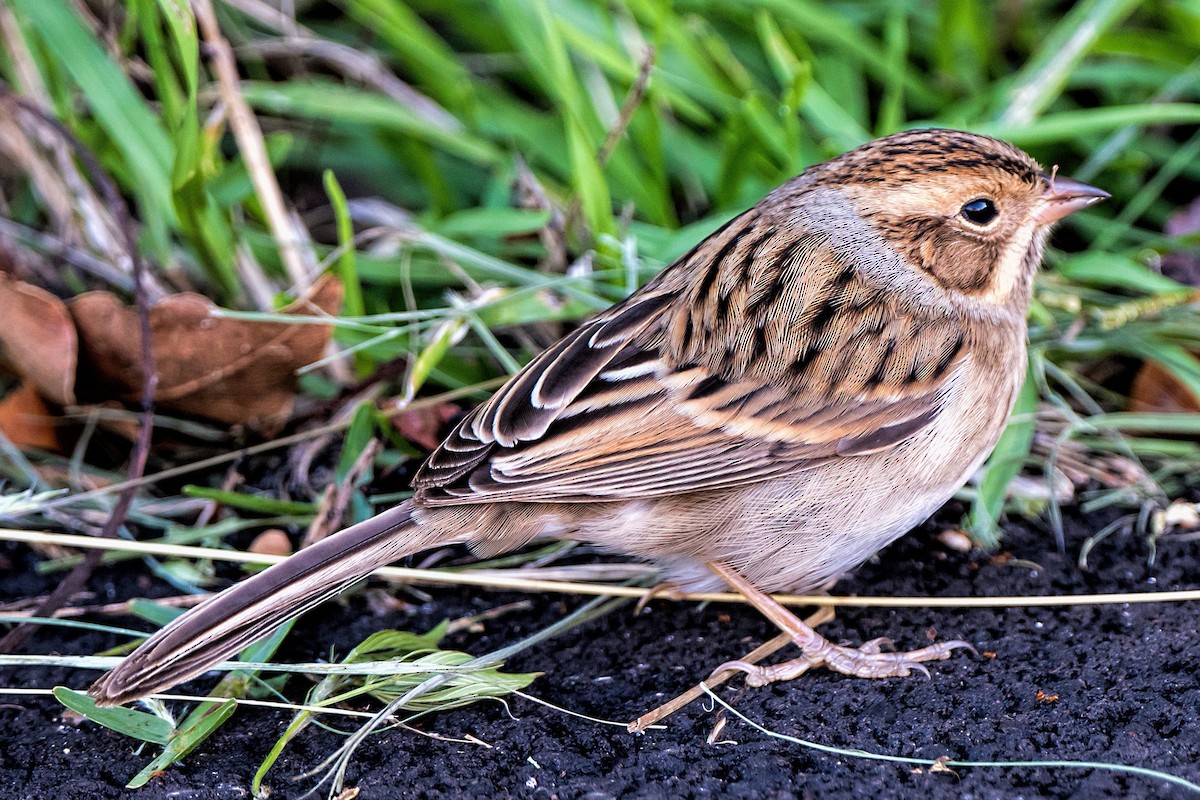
x=244, y=126
x=492, y=580
x=22, y=608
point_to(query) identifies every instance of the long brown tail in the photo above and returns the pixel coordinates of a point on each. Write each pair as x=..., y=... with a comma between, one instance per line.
x=224, y=624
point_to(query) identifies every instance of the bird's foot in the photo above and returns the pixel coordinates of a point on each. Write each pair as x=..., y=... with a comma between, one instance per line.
x=866, y=661
x=869, y=660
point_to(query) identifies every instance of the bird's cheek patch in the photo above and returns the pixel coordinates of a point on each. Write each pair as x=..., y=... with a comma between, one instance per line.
x=955, y=262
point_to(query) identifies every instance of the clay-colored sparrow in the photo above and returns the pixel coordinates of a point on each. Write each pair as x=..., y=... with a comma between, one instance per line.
x=803, y=387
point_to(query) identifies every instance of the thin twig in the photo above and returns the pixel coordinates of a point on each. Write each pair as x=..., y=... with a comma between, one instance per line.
x=634, y=99
x=17, y=609
x=78, y=577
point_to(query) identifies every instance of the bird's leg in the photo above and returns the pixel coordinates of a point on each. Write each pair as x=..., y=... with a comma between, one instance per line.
x=867, y=661
x=668, y=589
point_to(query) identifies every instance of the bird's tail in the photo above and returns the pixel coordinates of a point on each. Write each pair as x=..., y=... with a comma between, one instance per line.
x=224, y=624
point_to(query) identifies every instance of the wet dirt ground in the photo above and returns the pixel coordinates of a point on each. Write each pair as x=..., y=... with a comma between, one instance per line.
x=1111, y=683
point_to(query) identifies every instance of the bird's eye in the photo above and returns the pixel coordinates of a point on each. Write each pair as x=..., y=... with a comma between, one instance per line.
x=981, y=211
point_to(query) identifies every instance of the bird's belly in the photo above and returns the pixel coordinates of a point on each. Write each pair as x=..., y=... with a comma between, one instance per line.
x=803, y=539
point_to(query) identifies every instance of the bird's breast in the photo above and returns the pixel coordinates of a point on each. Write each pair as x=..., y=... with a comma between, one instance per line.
x=798, y=532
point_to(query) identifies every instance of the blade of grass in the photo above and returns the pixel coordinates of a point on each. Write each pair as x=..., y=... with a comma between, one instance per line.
x=1002, y=466
x=1070, y=125
x=1046, y=73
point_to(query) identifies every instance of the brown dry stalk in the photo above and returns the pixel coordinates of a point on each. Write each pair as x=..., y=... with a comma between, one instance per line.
x=244, y=126
x=493, y=580
x=20, y=608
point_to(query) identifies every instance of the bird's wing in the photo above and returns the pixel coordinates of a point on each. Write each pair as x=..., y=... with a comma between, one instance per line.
x=655, y=397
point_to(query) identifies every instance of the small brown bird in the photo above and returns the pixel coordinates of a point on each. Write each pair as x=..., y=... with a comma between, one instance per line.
x=802, y=388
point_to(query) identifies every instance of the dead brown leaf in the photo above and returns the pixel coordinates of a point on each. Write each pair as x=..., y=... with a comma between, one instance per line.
x=38, y=338
x=941, y=766
x=1155, y=389
x=26, y=419
x=229, y=370
x=422, y=426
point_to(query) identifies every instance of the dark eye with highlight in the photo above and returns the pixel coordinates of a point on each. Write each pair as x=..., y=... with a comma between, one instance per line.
x=981, y=211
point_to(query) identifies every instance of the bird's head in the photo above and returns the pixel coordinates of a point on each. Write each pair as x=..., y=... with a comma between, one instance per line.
x=970, y=211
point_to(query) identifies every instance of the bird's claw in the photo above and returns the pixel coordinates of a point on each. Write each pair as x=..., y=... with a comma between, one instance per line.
x=866, y=661
x=758, y=675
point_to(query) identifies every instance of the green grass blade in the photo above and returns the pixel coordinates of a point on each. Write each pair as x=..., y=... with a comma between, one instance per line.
x=1002, y=466
x=198, y=726
x=346, y=267
x=1070, y=125
x=129, y=124
x=1045, y=75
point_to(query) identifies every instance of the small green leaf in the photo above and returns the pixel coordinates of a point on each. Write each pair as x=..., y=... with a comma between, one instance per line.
x=137, y=724
x=358, y=436
x=152, y=612
x=250, y=502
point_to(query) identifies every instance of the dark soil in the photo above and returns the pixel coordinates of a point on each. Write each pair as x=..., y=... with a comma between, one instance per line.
x=1111, y=683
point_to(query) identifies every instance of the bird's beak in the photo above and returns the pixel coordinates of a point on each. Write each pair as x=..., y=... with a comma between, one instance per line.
x=1065, y=196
